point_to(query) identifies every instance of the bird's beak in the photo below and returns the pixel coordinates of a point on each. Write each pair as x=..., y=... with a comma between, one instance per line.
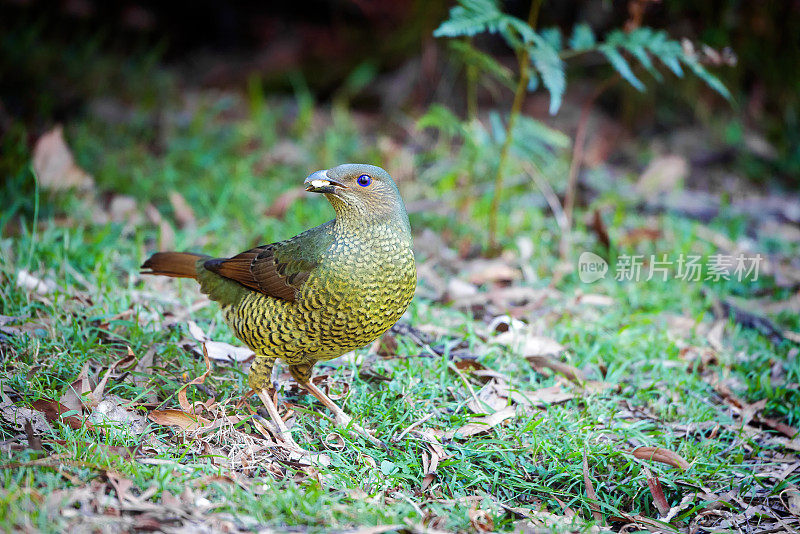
x=319, y=182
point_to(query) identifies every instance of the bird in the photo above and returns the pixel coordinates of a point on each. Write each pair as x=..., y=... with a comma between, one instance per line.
x=320, y=294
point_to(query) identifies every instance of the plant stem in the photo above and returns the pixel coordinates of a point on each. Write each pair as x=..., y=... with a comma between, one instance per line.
x=575, y=165
x=516, y=106
x=472, y=91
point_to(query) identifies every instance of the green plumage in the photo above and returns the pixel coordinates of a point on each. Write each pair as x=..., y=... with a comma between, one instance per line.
x=322, y=293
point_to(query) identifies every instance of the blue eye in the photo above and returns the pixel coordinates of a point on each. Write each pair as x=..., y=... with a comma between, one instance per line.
x=364, y=180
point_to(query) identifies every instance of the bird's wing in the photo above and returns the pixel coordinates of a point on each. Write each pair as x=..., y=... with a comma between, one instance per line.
x=279, y=269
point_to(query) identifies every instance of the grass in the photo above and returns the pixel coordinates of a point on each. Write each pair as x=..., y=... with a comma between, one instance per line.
x=230, y=158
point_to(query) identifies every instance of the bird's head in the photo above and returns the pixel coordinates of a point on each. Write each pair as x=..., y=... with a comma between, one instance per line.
x=359, y=191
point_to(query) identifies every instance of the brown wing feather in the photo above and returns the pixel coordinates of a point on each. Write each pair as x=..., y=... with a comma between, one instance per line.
x=259, y=270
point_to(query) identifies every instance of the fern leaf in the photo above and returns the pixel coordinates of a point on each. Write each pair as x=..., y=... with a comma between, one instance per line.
x=551, y=68
x=636, y=42
x=440, y=118
x=711, y=80
x=582, y=38
x=483, y=62
x=471, y=17
x=621, y=65
x=553, y=37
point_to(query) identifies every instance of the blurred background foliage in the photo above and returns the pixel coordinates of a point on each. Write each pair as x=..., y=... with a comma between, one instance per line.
x=56, y=56
x=129, y=62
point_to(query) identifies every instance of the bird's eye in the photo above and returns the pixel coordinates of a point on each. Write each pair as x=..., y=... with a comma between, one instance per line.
x=364, y=180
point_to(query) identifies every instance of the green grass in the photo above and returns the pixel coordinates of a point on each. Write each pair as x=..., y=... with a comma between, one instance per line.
x=220, y=153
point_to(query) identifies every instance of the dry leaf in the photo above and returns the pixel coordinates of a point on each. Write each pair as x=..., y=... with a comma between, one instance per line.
x=590, y=492
x=665, y=456
x=664, y=175
x=527, y=344
x=637, y=235
x=78, y=393
x=481, y=520
x=541, y=397
x=179, y=418
x=123, y=209
x=121, y=485
x=184, y=213
x=458, y=289
x=497, y=270
x=113, y=411
x=481, y=424
x=19, y=415
x=31, y=283
x=54, y=165
x=281, y=205
x=490, y=398
x=219, y=350
x=790, y=497
x=593, y=299
x=125, y=361
x=182, y=400
x=548, y=362
x=53, y=411
x=657, y=492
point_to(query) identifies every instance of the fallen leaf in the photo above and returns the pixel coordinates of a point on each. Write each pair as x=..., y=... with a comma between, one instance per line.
x=548, y=362
x=657, y=492
x=590, y=492
x=527, y=344
x=78, y=393
x=637, y=235
x=124, y=209
x=17, y=416
x=53, y=411
x=497, y=270
x=27, y=281
x=54, y=164
x=541, y=397
x=480, y=520
x=663, y=175
x=34, y=441
x=790, y=497
x=281, y=205
x=599, y=228
x=182, y=400
x=481, y=424
x=665, y=456
x=593, y=299
x=113, y=411
x=179, y=418
x=492, y=397
x=123, y=362
x=184, y=213
x=219, y=350
x=458, y=289
x=121, y=485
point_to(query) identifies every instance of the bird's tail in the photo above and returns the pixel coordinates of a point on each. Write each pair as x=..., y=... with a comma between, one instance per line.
x=174, y=264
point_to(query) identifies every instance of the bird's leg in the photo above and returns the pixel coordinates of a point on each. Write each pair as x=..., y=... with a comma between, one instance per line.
x=302, y=373
x=260, y=380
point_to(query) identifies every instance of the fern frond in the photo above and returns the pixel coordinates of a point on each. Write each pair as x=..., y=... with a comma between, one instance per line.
x=483, y=62
x=547, y=62
x=582, y=38
x=472, y=17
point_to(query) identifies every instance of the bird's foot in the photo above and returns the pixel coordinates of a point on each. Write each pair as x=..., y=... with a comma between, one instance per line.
x=343, y=420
